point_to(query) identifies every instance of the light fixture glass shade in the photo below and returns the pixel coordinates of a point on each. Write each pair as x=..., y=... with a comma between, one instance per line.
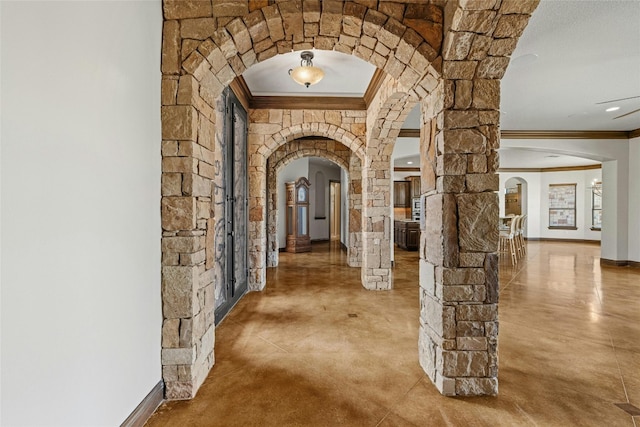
x=306, y=74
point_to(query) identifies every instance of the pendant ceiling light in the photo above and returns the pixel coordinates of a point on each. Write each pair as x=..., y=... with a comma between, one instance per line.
x=306, y=74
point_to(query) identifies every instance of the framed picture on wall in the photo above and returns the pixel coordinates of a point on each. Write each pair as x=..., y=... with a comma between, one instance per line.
x=596, y=206
x=562, y=206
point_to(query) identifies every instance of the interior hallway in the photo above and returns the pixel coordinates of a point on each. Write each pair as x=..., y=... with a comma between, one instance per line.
x=316, y=349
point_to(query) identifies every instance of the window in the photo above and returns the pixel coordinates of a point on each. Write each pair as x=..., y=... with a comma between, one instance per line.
x=562, y=206
x=596, y=206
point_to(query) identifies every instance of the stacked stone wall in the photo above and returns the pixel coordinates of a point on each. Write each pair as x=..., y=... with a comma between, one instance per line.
x=459, y=159
x=449, y=56
x=296, y=149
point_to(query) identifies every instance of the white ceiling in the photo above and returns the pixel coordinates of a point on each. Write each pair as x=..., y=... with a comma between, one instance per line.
x=345, y=75
x=572, y=55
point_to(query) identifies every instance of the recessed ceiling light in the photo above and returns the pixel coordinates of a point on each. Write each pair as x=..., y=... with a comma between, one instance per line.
x=552, y=156
x=612, y=109
x=409, y=163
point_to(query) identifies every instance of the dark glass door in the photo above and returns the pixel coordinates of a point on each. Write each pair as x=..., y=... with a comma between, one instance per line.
x=235, y=269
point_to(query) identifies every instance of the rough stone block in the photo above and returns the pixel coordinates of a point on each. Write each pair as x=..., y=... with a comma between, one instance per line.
x=331, y=18
x=459, y=70
x=465, y=363
x=463, y=94
x=476, y=386
x=171, y=47
x=463, y=276
x=274, y=22
x=223, y=8
x=492, y=275
x=171, y=184
x=486, y=94
x=477, y=163
x=292, y=21
x=477, y=312
x=492, y=67
x=178, y=213
x=511, y=26
x=373, y=22
x=170, y=333
x=455, y=119
x=477, y=222
x=457, y=46
x=179, y=390
x=353, y=16
x=472, y=343
x=179, y=122
x=470, y=329
x=178, y=292
x=180, y=9
x=463, y=141
x=479, y=182
x=451, y=164
x=472, y=259
x=198, y=28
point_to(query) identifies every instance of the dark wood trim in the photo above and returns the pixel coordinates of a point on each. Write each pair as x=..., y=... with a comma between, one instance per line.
x=613, y=262
x=634, y=264
x=240, y=88
x=307, y=103
x=146, y=408
x=374, y=86
x=319, y=240
x=562, y=228
x=343, y=246
x=409, y=133
x=551, y=239
x=563, y=134
x=550, y=134
x=406, y=169
x=557, y=169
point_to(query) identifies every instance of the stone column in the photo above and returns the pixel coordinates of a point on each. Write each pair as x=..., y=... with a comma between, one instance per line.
x=376, y=222
x=354, y=251
x=459, y=266
x=273, y=249
x=257, y=232
x=188, y=224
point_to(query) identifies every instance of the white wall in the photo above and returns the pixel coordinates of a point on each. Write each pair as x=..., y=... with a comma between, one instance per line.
x=289, y=173
x=344, y=232
x=538, y=202
x=81, y=310
x=319, y=228
x=634, y=199
x=614, y=155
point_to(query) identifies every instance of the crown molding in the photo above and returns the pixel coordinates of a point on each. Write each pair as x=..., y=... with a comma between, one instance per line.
x=548, y=134
x=242, y=92
x=556, y=169
x=374, y=86
x=563, y=134
x=409, y=133
x=307, y=103
x=241, y=89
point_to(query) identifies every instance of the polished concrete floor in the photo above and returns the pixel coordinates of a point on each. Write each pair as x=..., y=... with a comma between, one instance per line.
x=316, y=349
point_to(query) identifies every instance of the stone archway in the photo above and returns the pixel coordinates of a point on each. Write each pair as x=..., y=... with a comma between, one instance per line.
x=449, y=59
x=330, y=150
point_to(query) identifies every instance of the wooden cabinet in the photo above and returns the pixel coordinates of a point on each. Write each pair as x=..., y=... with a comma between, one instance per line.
x=513, y=201
x=401, y=194
x=415, y=184
x=297, y=216
x=406, y=234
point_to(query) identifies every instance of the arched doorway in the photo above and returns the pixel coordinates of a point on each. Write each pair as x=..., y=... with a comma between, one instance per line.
x=457, y=86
